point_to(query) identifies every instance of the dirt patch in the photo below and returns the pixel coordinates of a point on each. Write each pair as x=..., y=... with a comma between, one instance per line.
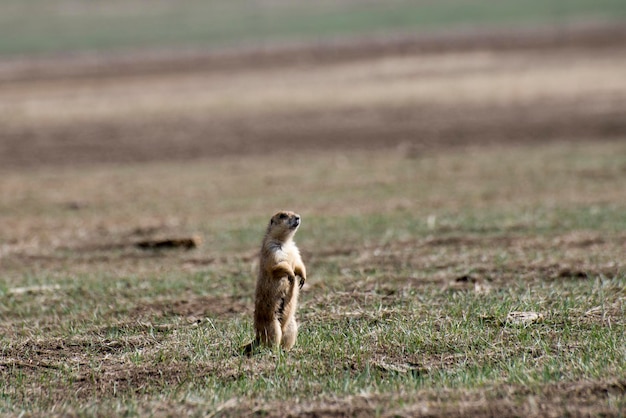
x=104, y=368
x=574, y=399
x=112, y=378
x=194, y=307
x=465, y=262
x=54, y=352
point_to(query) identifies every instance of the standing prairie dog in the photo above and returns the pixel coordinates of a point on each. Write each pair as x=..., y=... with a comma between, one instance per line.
x=281, y=276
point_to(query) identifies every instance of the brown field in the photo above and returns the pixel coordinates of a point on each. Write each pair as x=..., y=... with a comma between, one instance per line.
x=475, y=88
x=486, y=140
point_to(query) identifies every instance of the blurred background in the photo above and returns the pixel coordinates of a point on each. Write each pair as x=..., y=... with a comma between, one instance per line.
x=37, y=26
x=84, y=81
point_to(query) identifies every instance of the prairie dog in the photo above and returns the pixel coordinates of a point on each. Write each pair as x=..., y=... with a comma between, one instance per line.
x=281, y=276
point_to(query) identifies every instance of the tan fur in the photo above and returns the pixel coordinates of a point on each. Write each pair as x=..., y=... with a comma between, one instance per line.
x=281, y=275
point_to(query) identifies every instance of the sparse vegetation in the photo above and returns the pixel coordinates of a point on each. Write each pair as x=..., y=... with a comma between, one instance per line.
x=401, y=313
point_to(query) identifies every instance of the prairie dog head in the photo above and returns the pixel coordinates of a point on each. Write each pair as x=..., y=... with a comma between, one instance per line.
x=283, y=225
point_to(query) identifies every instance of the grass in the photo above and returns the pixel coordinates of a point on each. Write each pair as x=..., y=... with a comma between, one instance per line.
x=406, y=308
x=26, y=26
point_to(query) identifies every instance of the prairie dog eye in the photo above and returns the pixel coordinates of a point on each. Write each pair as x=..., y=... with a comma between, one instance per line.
x=282, y=216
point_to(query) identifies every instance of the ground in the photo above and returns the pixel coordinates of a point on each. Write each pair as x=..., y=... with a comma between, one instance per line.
x=444, y=182
x=478, y=87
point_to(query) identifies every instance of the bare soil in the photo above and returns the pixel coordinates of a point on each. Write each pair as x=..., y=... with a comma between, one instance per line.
x=413, y=92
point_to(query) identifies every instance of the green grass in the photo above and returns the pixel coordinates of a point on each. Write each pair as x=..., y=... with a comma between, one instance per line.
x=398, y=312
x=425, y=339
x=36, y=26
